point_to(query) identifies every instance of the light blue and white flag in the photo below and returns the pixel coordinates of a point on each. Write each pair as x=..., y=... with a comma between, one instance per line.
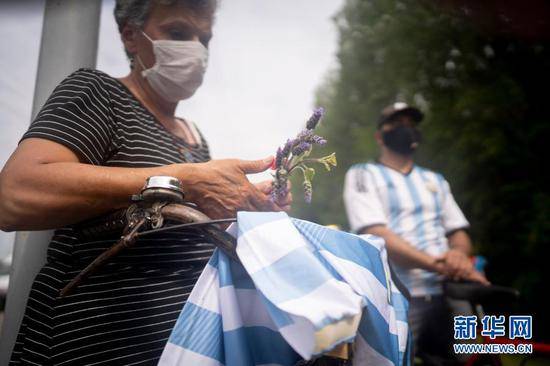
x=300, y=290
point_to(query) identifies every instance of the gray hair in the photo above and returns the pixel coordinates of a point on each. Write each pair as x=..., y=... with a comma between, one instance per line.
x=135, y=12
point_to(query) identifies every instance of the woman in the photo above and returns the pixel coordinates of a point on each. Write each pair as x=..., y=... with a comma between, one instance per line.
x=89, y=149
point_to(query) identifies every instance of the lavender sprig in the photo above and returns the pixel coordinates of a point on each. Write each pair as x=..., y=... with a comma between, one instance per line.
x=295, y=155
x=315, y=118
x=301, y=148
x=309, y=137
x=279, y=157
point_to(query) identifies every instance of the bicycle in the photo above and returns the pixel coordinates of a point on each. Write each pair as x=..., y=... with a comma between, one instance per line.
x=161, y=206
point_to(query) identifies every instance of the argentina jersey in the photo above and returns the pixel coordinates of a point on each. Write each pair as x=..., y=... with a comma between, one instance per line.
x=418, y=206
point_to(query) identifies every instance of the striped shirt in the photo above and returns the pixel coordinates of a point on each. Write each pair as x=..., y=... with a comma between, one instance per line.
x=418, y=206
x=298, y=290
x=125, y=312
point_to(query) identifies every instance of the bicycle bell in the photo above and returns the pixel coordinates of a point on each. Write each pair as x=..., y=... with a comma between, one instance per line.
x=162, y=188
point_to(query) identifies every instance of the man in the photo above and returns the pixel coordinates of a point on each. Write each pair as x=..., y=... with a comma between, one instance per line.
x=413, y=209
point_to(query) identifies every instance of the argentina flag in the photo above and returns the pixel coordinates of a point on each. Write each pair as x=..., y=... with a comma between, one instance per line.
x=300, y=290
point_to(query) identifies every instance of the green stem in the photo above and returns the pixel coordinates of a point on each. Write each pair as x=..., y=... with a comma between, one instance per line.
x=301, y=161
x=297, y=165
x=311, y=161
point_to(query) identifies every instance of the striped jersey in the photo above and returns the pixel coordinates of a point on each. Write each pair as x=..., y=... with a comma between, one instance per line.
x=124, y=313
x=418, y=206
x=298, y=290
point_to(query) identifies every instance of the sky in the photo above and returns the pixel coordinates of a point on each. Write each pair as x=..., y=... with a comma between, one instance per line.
x=267, y=59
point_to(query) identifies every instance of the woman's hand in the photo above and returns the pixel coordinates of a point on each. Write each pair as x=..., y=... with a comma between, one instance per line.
x=266, y=187
x=220, y=187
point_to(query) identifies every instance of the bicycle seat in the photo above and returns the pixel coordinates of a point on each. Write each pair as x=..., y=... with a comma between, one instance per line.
x=480, y=294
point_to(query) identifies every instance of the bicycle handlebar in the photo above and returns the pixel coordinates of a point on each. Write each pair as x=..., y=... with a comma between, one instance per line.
x=480, y=294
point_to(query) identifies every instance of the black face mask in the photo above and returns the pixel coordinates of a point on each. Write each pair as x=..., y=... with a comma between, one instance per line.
x=402, y=139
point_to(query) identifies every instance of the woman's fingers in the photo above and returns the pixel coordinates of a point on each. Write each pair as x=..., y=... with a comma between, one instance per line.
x=287, y=200
x=264, y=186
x=261, y=201
x=255, y=166
x=229, y=190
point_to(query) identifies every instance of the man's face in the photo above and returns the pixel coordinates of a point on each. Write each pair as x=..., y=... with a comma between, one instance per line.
x=399, y=135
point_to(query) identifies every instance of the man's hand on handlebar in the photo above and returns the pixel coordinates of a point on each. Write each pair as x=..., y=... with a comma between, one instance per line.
x=455, y=265
x=477, y=276
x=220, y=187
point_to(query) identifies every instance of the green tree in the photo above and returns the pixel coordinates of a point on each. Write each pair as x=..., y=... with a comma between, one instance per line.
x=484, y=92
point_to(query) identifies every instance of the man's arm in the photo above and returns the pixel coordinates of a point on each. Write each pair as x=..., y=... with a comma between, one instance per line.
x=402, y=252
x=366, y=216
x=453, y=264
x=454, y=222
x=460, y=240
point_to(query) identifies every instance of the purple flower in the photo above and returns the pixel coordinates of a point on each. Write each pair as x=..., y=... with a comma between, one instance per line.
x=279, y=157
x=305, y=136
x=279, y=188
x=288, y=147
x=310, y=138
x=301, y=148
x=315, y=118
x=315, y=139
x=295, y=155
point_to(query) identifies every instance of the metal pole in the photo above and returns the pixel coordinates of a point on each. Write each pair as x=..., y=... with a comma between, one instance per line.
x=69, y=41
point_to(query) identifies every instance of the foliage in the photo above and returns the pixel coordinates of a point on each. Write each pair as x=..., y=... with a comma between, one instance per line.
x=485, y=97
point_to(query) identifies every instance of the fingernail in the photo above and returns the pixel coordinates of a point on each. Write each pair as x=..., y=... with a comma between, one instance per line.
x=268, y=159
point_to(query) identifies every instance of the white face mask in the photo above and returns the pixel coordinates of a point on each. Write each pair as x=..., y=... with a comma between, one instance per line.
x=178, y=70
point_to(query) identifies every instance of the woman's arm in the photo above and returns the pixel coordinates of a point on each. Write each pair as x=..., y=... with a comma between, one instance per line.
x=44, y=185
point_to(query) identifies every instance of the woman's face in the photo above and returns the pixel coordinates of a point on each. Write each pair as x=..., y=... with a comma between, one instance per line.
x=171, y=22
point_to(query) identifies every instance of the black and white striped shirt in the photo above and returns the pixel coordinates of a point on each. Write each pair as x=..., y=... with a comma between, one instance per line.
x=124, y=313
